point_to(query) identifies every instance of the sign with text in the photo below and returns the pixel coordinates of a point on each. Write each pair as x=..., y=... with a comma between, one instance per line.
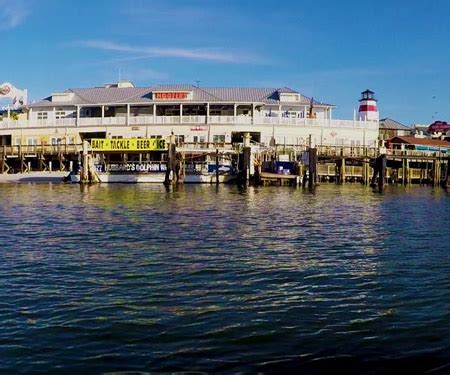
x=128, y=144
x=171, y=95
x=19, y=97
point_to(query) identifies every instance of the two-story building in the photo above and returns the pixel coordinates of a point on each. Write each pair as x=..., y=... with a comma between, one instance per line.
x=194, y=114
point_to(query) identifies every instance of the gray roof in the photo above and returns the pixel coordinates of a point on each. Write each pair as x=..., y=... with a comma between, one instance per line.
x=389, y=124
x=137, y=95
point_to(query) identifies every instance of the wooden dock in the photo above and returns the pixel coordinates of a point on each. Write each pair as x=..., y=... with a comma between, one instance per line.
x=27, y=158
x=339, y=164
x=279, y=179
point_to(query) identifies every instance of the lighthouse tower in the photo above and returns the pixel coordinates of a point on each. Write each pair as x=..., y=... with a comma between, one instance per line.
x=368, y=107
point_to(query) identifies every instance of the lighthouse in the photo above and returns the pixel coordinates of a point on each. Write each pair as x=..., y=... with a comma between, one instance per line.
x=368, y=107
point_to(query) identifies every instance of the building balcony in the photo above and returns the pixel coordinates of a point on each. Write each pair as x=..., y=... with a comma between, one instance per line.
x=186, y=120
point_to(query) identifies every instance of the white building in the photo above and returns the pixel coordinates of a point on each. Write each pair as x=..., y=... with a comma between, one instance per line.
x=193, y=114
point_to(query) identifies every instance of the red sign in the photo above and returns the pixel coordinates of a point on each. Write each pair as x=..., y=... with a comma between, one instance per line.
x=170, y=95
x=198, y=129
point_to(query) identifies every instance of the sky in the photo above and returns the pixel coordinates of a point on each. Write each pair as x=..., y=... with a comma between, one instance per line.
x=330, y=50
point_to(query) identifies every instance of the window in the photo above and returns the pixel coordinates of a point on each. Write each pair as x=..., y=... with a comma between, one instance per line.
x=60, y=114
x=179, y=139
x=198, y=139
x=56, y=141
x=42, y=115
x=219, y=138
x=17, y=141
x=32, y=141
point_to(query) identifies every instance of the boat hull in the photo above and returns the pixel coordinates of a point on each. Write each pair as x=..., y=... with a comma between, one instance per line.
x=155, y=178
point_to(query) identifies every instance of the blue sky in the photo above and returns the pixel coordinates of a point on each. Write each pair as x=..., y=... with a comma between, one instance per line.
x=331, y=50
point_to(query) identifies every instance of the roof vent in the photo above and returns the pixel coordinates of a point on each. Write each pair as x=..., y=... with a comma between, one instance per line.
x=125, y=84
x=62, y=97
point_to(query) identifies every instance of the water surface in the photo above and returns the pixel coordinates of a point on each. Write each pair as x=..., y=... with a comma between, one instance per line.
x=198, y=278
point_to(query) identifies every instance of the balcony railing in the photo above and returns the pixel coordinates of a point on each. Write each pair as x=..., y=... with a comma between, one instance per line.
x=191, y=120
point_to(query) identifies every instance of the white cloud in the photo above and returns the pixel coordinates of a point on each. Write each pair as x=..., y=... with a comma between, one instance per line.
x=12, y=13
x=142, y=52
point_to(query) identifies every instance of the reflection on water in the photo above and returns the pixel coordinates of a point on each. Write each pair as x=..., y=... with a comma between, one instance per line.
x=205, y=278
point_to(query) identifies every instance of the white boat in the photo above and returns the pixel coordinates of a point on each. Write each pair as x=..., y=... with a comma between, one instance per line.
x=144, y=173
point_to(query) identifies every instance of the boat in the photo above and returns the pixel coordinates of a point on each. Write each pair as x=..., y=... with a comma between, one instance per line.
x=148, y=161
x=155, y=172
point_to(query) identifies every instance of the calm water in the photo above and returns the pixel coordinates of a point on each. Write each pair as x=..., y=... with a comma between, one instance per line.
x=199, y=278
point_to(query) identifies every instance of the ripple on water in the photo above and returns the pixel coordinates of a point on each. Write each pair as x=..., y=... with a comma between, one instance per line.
x=137, y=278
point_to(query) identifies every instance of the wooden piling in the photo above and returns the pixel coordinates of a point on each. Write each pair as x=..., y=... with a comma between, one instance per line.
x=217, y=166
x=444, y=179
x=382, y=163
x=312, y=168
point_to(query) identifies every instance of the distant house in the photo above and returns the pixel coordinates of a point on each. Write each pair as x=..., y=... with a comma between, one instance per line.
x=420, y=144
x=421, y=130
x=390, y=128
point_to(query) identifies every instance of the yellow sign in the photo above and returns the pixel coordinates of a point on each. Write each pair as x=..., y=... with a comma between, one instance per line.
x=128, y=144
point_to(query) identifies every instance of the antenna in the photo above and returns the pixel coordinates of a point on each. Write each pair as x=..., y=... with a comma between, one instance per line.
x=198, y=83
x=120, y=73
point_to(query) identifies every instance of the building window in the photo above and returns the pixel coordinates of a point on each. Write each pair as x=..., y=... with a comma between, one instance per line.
x=179, y=139
x=219, y=138
x=56, y=141
x=42, y=115
x=60, y=114
x=198, y=139
x=17, y=141
x=32, y=141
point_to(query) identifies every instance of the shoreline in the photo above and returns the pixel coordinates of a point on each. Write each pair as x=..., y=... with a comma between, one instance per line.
x=34, y=177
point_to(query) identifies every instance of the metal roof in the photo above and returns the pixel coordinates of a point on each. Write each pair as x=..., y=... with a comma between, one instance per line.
x=420, y=141
x=389, y=124
x=137, y=95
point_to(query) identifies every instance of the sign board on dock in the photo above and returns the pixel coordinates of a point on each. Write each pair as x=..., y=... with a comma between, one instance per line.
x=128, y=144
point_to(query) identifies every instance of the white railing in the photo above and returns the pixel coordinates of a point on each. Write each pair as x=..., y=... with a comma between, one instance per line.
x=140, y=120
x=222, y=119
x=64, y=122
x=167, y=119
x=199, y=120
x=193, y=120
x=13, y=124
x=266, y=120
x=315, y=122
x=92, y=121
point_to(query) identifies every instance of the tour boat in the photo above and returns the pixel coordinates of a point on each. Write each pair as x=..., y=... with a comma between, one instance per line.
x=135, y=172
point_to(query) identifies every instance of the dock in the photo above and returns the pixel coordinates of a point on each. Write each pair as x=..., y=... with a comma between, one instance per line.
x=335, y=164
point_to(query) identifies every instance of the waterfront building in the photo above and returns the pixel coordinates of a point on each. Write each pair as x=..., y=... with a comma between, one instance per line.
x=194, y=114
x=420, y=144
x=390, y=128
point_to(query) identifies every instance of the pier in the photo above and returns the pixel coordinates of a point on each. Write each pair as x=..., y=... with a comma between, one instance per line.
x=336, y=164
x=40, y=158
